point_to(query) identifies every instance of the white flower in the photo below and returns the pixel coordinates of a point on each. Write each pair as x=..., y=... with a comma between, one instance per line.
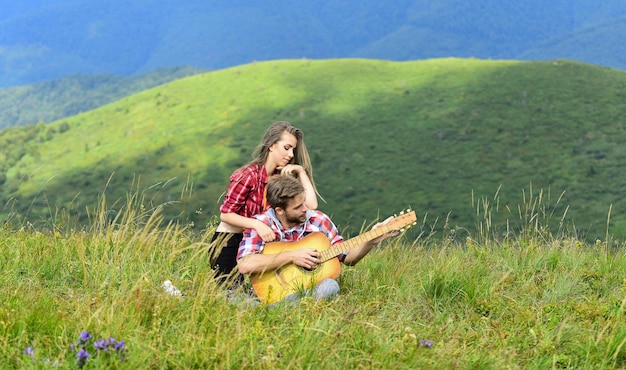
x=171, y=289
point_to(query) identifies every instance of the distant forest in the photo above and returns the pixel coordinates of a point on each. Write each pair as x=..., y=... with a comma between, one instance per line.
x=45, y=40
x=51, y=100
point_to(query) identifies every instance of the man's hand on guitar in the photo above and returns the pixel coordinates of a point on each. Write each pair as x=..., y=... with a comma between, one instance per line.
x=307, y=258
x=387, y=235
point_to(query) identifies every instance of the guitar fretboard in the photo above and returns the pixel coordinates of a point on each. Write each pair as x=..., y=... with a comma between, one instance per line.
x=396, y=224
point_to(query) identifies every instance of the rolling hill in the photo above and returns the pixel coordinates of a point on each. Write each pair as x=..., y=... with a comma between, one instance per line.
x=48, y=101
x=451, y=138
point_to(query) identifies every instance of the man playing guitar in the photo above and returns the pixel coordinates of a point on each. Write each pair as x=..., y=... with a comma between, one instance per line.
x=301, y=261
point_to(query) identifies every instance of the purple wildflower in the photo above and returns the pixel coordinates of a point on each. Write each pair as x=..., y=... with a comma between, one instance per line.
x=84, y=337
x=81, y=357
x=29, y=351
x=101, y=345
x=426, y=343
x=119, y=346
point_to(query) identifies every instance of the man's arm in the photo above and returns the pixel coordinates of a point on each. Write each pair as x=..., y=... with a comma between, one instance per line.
x=256, y=262
x=357, y=253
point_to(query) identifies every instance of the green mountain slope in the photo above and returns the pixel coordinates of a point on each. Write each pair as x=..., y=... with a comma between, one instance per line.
x=433, y=135
x=51, y=100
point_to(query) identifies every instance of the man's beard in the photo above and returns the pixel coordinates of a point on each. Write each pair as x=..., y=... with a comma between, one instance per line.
x=297, y=219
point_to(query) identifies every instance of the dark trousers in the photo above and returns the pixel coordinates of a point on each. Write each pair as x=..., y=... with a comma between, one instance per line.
x=223, y=256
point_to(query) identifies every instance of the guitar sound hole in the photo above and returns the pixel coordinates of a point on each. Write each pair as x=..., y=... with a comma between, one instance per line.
x=309, y=269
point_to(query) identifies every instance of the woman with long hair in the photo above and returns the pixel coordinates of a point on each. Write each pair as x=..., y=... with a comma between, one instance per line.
x=282, y=151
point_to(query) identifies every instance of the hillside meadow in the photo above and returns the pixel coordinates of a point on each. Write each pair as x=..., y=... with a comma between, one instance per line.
x=49, y=101
x=93, y=298
x=442, y=136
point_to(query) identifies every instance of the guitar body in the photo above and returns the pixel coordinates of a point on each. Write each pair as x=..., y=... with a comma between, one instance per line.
x=274, y=285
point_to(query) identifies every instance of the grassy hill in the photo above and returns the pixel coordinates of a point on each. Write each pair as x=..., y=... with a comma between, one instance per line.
x=51, y=100
x=530, y=302
x=459, y=139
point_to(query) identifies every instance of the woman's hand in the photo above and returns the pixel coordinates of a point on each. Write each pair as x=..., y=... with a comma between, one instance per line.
x=292, y=169
x=265, y=232
x=298, y=171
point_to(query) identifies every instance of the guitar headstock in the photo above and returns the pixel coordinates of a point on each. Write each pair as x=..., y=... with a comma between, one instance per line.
x=400, y=222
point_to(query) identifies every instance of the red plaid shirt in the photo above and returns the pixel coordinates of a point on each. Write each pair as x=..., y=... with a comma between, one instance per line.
x=246, y=192
x=315, y=221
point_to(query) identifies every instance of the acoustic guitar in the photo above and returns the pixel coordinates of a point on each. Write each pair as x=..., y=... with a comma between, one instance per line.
x=274, y=285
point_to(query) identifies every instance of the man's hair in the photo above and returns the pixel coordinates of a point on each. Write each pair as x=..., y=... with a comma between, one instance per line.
x=281, y=189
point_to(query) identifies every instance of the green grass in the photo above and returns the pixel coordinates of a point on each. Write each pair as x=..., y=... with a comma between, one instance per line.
x=431, y=135
x=522, y=300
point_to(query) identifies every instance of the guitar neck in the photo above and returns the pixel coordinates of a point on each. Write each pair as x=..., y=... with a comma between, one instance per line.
x=337, y=249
